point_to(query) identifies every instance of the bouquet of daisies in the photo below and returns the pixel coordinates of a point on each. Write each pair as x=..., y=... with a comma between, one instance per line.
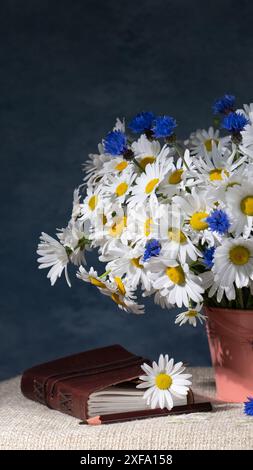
x=169, y=219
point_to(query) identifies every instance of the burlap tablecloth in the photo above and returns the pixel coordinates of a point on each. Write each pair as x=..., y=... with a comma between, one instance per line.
x=28, y=425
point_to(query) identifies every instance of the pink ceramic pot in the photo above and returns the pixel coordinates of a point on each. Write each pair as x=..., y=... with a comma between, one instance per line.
x=230, y=337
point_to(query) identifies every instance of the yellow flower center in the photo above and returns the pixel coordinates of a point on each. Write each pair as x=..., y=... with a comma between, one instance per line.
x=147, y=227
x=239, y=255
x=216, y=174
x=176, y=235
x=116, y=298
x=197, y=221
x=163, y=381
x=136, y=262
x=151, y=185
x=146, y=160
x=209, y=144
x=118, y=227
x=121, y=189
x=121, y=166
x=192, y=313
x=176, y=275
x=96, y=282
x=120, y=285
x=93, y=202
x=247, y=205
x=175, y=177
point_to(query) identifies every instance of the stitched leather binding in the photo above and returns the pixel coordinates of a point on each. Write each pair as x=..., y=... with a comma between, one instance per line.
x=65, y=384
x=88, y=371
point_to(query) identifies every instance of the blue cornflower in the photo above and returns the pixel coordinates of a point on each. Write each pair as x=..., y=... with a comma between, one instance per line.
x=164, y=126
x=218, y=221
x=248, y=406
x=152, y=248
x=142, y=122
x=208, y=257
x=115, y=143
x=234, y=122
x=224, y=105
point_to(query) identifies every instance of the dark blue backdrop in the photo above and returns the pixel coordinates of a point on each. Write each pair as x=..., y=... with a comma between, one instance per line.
x=67, y=70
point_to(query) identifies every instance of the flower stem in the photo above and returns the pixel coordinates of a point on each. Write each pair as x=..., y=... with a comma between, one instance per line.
x=190, y=303
x=82, y=242
x=137, y=164
x=240, y=298
x=104, y=274
x=180, y=153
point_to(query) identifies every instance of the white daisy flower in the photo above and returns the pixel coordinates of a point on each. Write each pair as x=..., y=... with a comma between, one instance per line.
x=239, y=202
x=118, y=187
x=123, y=296
x=215, y=289
x=92, y=204
x=115, y=224
x=147, y=152
x=175, y=281
x=196, y=207
x=99, y=226
x=53, y=255
x=191, y=316
x=177, y=242
x=143, y=221
x=147, y=184
x=75, y=240
x=202, y=141
x=233, y=263
x=181, y=245
x=179, y=175
x=217, y=166
x=95, y=163
x=92, y=277
x=127, y=262
x=117, y=166
x=164, y=381
x=217, y=192
x=116, y=289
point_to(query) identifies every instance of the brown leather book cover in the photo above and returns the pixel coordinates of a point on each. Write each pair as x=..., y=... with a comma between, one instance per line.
x=66, y=384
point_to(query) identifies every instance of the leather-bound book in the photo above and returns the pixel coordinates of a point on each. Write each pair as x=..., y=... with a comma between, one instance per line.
x=97, y=386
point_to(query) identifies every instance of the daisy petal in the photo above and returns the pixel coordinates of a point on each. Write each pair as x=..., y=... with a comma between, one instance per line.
x=168, y=399
x=143, y=385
